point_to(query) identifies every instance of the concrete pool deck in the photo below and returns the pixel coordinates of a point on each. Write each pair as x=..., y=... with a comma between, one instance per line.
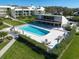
x=51, y=36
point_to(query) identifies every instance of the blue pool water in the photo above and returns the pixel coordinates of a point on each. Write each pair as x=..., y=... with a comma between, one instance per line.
x=34, y=30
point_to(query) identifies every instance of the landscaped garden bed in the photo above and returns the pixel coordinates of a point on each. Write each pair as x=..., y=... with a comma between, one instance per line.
x=4, y=39
x=12, y=22
x=26, y=19
x=2, y=25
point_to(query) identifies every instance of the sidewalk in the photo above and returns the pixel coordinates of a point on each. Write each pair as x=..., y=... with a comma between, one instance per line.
x=7, y=24
x=3, y=50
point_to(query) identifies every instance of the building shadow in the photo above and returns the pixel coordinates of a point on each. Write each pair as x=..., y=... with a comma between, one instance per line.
x=37, y=49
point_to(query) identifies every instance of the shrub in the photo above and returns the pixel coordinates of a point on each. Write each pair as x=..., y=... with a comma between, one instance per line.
x=75, y=18
x=1, y=40
x=77, y=33
x=68, y=28
x=9, y=37
x=3, y=34
x=1, y=23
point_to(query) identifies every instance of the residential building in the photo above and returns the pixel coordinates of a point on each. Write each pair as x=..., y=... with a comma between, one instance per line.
x=3, y=11
x=55, y=20
x=16, y=11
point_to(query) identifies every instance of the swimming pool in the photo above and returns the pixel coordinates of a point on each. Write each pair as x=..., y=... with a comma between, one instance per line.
x=34, y=30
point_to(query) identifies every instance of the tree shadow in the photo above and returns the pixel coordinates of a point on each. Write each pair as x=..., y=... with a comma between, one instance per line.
x=37, y=49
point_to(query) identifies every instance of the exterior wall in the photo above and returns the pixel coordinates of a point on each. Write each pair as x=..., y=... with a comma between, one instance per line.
x=29, y=11
x=54, y=20
x=58, y=20
x=17, y=11
x=3, y=12
x=64, y=21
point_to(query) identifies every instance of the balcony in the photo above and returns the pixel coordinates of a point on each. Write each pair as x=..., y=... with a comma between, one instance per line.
x=48, y=20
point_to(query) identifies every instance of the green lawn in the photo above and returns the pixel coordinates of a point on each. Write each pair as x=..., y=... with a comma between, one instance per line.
x=60, y=47
x=3, y=43
x=26, y=48
x=27, y=19
x=21, y=51
x=12, y=22
x=73, y=51
x=4, y=40
x=75, y=18
x=3, y=26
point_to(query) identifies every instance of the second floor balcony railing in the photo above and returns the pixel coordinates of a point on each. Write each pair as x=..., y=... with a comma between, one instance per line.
x=48, y=20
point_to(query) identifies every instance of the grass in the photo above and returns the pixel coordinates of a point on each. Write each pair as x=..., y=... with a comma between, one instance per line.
x=13, y=22
x=33, y=42
x=75, y=19
x=25, y=48
x=25, y=44
x=21, y=51
x=60, y=47
x=3, y=26
x=2, y=44
x=73, y=51
x=3, y=40
x=23, y=20
x=27, y=19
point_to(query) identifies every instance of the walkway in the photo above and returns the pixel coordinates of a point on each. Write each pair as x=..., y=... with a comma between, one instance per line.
x=16, y=20
x=3, y=50
x=7, y=24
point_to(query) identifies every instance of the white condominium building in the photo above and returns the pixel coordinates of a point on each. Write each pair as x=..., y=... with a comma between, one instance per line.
x=16, y=11
x=55, y=20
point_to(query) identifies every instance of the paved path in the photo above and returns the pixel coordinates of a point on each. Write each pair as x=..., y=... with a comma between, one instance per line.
x=3, y=50
x=7, y=24
x=6, y=47
x=17, y=20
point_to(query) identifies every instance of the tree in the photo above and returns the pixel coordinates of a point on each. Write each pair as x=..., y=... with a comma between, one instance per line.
x=68, y=27
x=58, y=9
x=75, y=18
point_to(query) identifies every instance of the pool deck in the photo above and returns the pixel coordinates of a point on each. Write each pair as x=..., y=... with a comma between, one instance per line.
x=51, y=36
